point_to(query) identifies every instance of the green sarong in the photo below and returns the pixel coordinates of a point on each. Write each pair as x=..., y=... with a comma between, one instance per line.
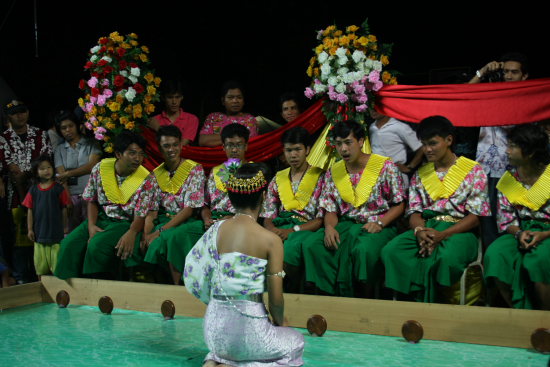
x=78, y=256
x=293, y=244
x=357, y=257
x=408, y=273
x=174, y=243
x=519, y=268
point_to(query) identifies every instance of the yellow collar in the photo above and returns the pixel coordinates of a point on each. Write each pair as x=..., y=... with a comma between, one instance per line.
x=174, y=184
x=533, y=198
x=299, y=200
x=438, y=189
x=115, y=193
x=359, y=194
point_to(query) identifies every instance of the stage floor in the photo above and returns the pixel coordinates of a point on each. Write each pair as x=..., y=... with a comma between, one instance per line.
x=43, y=334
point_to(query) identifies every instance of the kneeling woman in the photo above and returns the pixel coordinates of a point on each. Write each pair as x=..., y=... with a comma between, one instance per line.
x=519, y=262
x=227, y=269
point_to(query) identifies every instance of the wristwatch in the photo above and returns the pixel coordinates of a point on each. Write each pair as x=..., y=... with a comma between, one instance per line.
x=478, y=74
x=296, y=228
x=379, y=222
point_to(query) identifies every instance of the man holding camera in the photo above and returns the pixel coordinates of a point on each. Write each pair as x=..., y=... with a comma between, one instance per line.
x=491, y=146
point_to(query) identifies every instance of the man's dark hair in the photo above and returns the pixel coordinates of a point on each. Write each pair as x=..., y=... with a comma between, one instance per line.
x=171, y=86
x=36, y=162
x=249, y=200
x=533, y=142
x=168, y=130
x=518, y=57
x=232, y=130
x=296, y=135
x=231, y=84
x=343, y=128
x=435, y=126
x=125, y=139
x=66, y=115
x=289, y=96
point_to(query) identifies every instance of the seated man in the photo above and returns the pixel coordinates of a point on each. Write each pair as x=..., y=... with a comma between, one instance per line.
x=518, y=261
x=446, y=196
x=180, y=190
x=119, y=197
x=216, y=202
x=290, y=207
x=362, y=196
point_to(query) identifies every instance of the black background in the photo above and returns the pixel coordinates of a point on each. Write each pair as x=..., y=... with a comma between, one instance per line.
x=265, y=44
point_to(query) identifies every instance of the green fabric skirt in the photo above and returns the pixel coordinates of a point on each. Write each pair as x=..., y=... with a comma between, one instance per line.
x=293, y=244
x=77, y=256
x=357, y=258
x=408, y=273
x=505, y=261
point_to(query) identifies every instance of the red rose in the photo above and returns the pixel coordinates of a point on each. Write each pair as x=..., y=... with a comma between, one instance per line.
x=123, y=64
x=102, y=49
x=133, y=65
x=139, y=88
x=88, y=65
x=95, y=92
x=119, y=81
x=102, y=62
x=96, y=75
x=121, y=52
x=103, y=40
x=108, y=69
x=82, y=84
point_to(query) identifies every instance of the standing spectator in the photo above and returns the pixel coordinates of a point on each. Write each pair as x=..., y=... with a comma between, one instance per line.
x=74, y=160
x=232, y=98
x=491, y=146
x=24, y=143
x=173, y=114
x=47, y=215
x=290, y=107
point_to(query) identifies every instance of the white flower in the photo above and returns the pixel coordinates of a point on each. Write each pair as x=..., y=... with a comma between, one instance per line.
x=133, y=79
x=349, y=78
x=332, y=81
x=93, y=58
x=325, y=70
x=107, y=58
x=369, y=64
x=342, y=71
x=134, y=71
x=323, y=56
x=340, y=88
x=343, y=60
x=124, y=73
x=358, y=56
x=341, y=52
x=130, y=94
x=377, y=65
x=320, y=88
x=94, y=49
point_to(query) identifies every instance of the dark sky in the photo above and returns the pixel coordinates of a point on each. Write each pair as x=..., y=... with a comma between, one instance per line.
x=265, y=44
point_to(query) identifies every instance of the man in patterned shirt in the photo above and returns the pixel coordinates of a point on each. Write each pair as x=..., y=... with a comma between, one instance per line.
x=446, y=197
x=362, y=197
x=22, y=144
x=119, y=197
x=290, y=207
x=170, y=227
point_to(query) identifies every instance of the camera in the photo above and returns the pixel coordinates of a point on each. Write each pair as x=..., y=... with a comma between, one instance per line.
x=493, y=76
x=72, y=181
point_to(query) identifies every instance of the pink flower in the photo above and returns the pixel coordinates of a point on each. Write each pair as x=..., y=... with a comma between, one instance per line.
x=108, y=93
x=333, y=95
x=92, y=82
x=105, y=82
x=88, y=126
x=93, y=99
x=377, y=86
x=363, y=98
x=99, y=136
x=342, y=98
x=374, y=76
x=88, y=107
x=101, y=130
x=361, y=108
x=359, y=89
x=101, y=100
x=309, y=93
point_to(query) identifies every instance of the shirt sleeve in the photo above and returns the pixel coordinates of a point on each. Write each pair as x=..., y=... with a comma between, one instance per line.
x=64, y=199
x=27, y=203
x=272, y=201
x=506, y=214
x=478, y=199
x=208, y=126
x=327, y=200
x=90, y=191
x=252, y=125
x=408, y=135
x=58, y=156
x=415, y=198
x=393, y=188
x=190, y=131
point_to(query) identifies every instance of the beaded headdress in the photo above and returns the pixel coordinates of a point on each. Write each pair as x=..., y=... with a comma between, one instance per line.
x=246, y=185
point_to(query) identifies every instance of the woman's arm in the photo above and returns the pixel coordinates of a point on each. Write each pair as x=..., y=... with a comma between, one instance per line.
x=275, y=282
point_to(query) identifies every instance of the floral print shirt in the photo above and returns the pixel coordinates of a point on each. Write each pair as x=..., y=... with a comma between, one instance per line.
x=387, y=191
x=215, y=122
x=208, y=273
x=216, y=199
x=470, y=197
x=23, y=152
x=273, y=205
x=137, y=206
x=509, y=214
x=190, y=194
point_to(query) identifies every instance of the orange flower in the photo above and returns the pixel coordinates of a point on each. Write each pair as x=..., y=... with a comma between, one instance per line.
x=133, y=43
x=149, y=108
x=137, y=111
x=145, y=49
x=110, y=126
x=143, y=57
x=151, y=90
x=337, y=33
x=319, y=49
x=124, y=120
x=149, y=77
x=128, y=109
x=386, y=77
x=130, y=125
x=119, y=98
x=352, y=37
x=125, y=45
x=333, y=50
x=309, y=71
x=329, y=29
x=352, y=28
x=384, y=60
x=157, y=81
x=372, y=38
x=133, y=35
x=316, y=72
x=81, y=102
x=344, y=41
x=109, y=148
x=363, y=41
x=113, y=106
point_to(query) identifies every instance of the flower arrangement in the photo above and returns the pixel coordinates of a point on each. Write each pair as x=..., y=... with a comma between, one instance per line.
x=348, y=68
x=229, y=168
x=121, y=89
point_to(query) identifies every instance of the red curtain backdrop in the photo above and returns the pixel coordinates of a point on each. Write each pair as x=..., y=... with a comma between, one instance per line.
x=485, y=104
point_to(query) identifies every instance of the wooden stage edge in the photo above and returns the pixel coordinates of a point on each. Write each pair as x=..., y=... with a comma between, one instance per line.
x=465, y=324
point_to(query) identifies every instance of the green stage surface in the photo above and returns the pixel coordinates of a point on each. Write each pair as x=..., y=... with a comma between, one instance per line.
x=45, y=335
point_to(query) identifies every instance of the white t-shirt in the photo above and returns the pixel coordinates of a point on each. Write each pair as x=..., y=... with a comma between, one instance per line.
x=392, y=139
